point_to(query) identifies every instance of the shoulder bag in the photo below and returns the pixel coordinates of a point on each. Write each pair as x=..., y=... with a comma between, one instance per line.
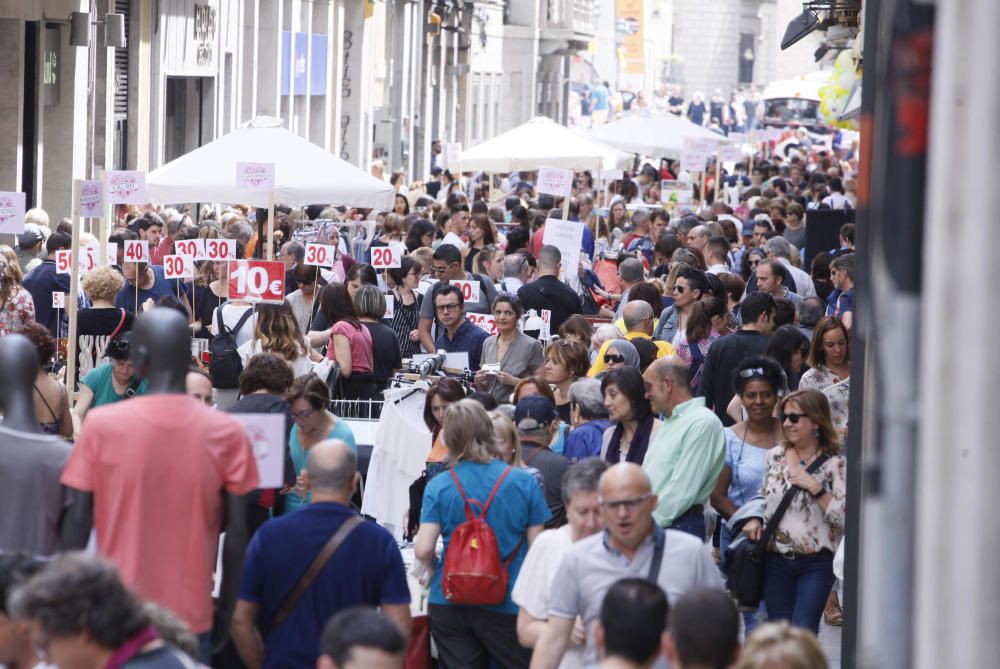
x=744, y=564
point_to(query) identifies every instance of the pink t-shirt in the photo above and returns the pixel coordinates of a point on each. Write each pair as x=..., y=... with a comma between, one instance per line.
x=361, y=345
x=157, y=466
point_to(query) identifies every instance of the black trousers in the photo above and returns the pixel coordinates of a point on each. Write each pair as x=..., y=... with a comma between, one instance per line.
x=467, y=636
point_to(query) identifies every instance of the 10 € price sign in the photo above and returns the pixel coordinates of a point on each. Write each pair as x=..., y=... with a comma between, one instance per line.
x=386, y=257
x=484, y=322
x=178, y=267
x=257, y=280
x=322, y=255
x=470, y=289
x=136, y=250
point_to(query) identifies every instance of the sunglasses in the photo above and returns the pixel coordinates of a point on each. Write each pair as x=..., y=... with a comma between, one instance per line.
x=678, y=289
x=752, y=372
x=613, y=358
x=792, y=418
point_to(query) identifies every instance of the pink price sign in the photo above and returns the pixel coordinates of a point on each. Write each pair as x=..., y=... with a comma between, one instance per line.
x=12, y=213
x=125, y=187
x=91, y=204
x=255, y=176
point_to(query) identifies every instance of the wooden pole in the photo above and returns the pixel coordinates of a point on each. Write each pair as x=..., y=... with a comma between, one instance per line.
x=74, y=294
x=270, y=226
x=704, y=181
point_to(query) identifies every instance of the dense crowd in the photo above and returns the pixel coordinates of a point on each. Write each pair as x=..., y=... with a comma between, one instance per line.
x=618, y=437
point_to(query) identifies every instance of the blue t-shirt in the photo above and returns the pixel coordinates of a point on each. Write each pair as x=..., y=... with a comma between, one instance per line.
x=341, y=430
x=518, y=505
x=747, y=463
x=599, y=94
x=585, y=441
x=367, y=569
x=161, y=286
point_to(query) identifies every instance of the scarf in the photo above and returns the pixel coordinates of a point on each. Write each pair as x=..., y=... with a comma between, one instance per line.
x=640, y=442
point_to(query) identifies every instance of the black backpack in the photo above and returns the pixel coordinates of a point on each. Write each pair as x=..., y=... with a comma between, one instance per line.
x=224, y=364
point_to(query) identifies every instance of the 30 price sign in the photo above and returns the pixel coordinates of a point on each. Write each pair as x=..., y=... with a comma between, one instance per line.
x=178, y=267
x=470, y=289
x=190, y=247
x=386, y=257
x=64, y=261
x=136, y=250
x=257, y=280
x=484, y=322
x=323, y=255
x=220, y=249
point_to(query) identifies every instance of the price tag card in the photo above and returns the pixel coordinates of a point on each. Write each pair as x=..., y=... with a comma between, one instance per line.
x=111, y=250
x=678, y=192
x=267, y=437
x=136, y=250
x=390, y=306
x=555, y=181
x=386, y=257
x=190, y=247
x=89, y=255
x=12, y=213
x=178, y=267
x=58, y=300
x=255, y=176
x=64, y=261
x=91, y=204
x=125, y=187
x=470, y=290
x=731, y=153
x=322, y=255
x=257, y=280
x=220, y=249
x=547, y=329
x=453, y=153
x=484, y=322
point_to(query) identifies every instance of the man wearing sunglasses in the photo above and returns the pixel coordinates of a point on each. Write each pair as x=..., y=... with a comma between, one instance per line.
x=631, y=546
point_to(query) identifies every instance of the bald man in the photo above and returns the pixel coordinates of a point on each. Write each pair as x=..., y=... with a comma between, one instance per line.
x=364, y=570
x=632, y=546
x=686, y=454
x=637, y=319
x=698, y=238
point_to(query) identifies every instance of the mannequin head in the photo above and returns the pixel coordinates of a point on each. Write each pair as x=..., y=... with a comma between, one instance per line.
x=19, y=360
x=161, y=350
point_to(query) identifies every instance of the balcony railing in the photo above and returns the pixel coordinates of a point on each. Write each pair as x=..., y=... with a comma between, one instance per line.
x=580, y=16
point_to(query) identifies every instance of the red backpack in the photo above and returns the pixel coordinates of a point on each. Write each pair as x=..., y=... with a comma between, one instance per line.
x=474, y=574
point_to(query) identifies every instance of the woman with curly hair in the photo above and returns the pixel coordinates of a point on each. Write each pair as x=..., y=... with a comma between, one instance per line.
x=102, y=321
x=278, y=332
x=16, y=305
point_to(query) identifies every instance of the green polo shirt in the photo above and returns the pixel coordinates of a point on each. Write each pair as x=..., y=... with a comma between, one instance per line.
x=684, y=459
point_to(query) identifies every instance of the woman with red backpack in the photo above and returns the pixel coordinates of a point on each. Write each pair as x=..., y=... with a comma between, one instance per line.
x=487, y=514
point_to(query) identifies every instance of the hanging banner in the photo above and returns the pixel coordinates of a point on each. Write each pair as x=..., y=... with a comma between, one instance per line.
x=629, y=16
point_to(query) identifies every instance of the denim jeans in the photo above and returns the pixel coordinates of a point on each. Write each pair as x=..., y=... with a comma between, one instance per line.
x=692, y=522
x=796, y=589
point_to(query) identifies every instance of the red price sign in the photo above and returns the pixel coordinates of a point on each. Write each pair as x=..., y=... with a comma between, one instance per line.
x=257, y=280
x=136, y=250
x=484, y=322
x=88, y=257
x=178, y=267
x=190, y=247
x=64, y=261
x=320, y=254
x=470, y=290
x=220, y=249
x=386, y=257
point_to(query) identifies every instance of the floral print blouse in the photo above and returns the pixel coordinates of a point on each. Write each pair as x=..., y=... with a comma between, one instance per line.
x=818, y=378
x=805, y=529
x=683, y=350
x=16, y=312
x=839, y=396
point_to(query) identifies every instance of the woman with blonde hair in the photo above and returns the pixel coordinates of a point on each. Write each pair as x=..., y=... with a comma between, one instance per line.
x=16, y=304
x=781, y=645
x=278, y=332
x=516, y=512
x=798, y=560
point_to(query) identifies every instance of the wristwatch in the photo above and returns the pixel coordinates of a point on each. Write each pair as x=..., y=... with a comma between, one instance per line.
x=817, y=495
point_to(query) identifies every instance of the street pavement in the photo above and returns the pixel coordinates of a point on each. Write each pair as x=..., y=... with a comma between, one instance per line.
x=829, y=638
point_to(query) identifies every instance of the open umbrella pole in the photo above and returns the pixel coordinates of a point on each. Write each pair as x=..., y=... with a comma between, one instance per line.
x=270, y=226
x=74, y=293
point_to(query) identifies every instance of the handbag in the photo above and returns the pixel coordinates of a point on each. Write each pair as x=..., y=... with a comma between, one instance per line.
x=744, y=563
x=329, y=372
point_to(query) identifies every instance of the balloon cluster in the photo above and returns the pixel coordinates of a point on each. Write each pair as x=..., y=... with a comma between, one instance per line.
x=833, y=96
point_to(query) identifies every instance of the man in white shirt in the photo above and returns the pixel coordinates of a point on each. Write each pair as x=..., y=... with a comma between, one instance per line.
x=715, y=252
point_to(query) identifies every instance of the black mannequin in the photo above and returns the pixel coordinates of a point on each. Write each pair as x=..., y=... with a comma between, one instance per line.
x=19, y=360
x=161, y=353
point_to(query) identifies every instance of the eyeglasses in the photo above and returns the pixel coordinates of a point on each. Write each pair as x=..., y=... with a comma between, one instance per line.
x=752, y=372
x=616, y=358
x=440, y=270
x=792, y=418
x=302, y=415
x=627, y=504
x=449, y=307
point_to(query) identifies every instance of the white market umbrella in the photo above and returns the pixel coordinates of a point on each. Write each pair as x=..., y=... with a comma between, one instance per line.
x=304, y=173
x=541, y=142
x=651, y=135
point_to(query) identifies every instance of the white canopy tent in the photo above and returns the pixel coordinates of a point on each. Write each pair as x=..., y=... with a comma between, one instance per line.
x=303, y=172
x=541, y=142
x=651, y=135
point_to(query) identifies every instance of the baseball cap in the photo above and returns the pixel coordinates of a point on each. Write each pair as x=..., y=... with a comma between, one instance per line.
x=748, y=228
x=534, y=413
x=32, y=234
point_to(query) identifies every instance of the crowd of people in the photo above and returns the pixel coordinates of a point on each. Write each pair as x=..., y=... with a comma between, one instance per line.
x=619, y=429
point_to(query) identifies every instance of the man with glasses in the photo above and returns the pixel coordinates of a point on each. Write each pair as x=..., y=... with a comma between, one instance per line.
x=685, y=456
x=459, y=335
x=632, y=546
x=841, y=300
x=447, y=267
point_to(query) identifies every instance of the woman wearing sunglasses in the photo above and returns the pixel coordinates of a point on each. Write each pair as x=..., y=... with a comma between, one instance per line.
x=798, y=562
x=633, y=422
